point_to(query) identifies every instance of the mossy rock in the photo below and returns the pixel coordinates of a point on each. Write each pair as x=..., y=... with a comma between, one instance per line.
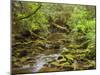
x=65, y=51
x=73, y=46
x=69, y=57
x=38, y=42
x=60, y=64
x=21, y=71
x=48, y=69
x=62, y=60
x=24, y=59
x=54, y=63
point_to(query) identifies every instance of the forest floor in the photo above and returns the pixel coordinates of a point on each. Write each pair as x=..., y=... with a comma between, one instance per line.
x=57, y=52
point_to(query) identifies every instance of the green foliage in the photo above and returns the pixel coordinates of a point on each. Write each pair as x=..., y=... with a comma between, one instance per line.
x=33, y=33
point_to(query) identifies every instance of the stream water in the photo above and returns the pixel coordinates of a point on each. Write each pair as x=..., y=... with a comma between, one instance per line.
x=39, y=62
x=43, y=59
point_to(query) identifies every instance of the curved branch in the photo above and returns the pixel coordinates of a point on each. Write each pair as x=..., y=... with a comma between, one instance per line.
x=31, y=13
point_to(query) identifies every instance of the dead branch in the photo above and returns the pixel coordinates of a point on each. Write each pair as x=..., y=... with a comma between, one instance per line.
x=59, y=27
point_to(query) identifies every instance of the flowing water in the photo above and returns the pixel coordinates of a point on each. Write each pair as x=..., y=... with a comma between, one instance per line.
x=42, y=59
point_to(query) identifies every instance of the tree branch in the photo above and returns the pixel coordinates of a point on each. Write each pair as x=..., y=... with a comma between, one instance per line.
x=31, y=13
x=34, y=34
x=59, y=27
